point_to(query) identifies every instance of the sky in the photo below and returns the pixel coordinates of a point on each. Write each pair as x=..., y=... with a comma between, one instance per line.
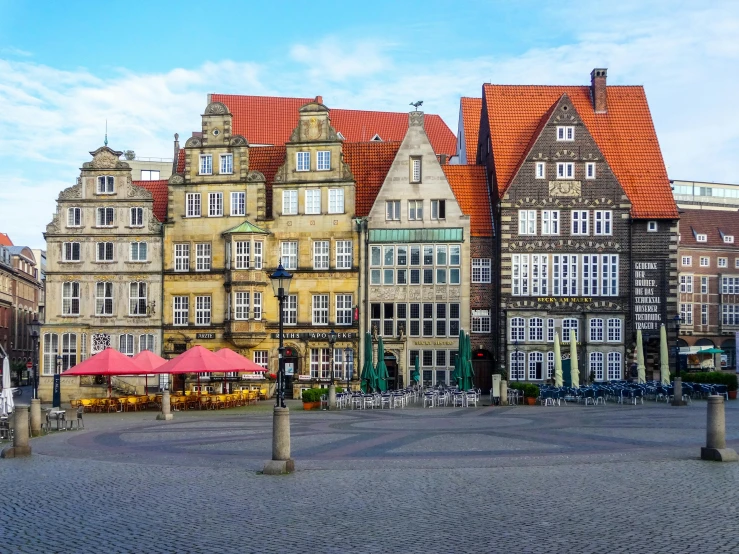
x=146, y=68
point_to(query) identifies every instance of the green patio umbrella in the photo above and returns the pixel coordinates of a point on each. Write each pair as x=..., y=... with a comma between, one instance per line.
x=381, y=374
x=557, y=362
x=367, y=378
x=457, y=373
x=416, y=373
x=465, y=365
x=640, y=367
x=574, y=369
x=664, y=362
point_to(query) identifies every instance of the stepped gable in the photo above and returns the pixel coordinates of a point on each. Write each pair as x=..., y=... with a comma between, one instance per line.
x=471, y=190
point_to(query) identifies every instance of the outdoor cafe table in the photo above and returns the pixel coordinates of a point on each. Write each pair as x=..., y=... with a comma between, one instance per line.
x=59, y=415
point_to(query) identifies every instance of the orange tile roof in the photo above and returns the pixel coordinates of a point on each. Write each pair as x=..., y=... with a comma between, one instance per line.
x=159, y=191
x=471, y=109
x=267, y=160
x=369, y=162
x=470, y=187
x=711, y=223
x=181, y=161
x=5, y=240
x=625, y=136
x=271, y=120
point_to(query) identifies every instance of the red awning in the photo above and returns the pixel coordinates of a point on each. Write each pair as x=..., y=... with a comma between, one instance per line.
x=146, y=359
x=197, y=360
x=245, y=364
x=107, y=362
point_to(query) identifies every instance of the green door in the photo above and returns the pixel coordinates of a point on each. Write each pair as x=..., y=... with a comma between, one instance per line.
x=566, y=375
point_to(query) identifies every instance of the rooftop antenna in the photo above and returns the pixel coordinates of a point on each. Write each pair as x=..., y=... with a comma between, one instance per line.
x=106, y=133
x=417, y=104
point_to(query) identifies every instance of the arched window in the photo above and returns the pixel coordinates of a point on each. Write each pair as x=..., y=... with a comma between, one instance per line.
x=518, y=326
x=536, y=365
x=517, y=371
x=596, y=365
x=125, y=345
x=614, y=366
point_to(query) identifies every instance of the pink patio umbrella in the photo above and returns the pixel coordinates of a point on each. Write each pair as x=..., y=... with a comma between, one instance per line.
x=146, y=359
x=108, y=362
x=245, y=364
x=197, y=360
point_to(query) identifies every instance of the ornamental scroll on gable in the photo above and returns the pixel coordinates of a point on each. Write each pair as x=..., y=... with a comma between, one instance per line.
x=105, y=158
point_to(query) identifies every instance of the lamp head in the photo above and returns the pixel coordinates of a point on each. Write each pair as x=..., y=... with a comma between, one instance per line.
x=35, y=328
x=281, y=281
x=332, y=337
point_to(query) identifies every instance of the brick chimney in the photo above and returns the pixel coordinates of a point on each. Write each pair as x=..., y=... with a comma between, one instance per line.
x=598, y=89
x=319, y=99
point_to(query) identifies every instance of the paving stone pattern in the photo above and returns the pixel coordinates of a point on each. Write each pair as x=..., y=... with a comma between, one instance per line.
x=516, y=479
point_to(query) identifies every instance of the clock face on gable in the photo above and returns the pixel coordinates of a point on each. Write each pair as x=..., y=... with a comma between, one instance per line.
x=314, y=129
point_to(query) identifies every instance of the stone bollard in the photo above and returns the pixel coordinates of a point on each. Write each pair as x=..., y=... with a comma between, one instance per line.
x=166, y=414
x=503, y=392
x=332, y=397
x=281, y=462
x=35, y=417
x=715, y=449
x=677, y=392
x=20, y=437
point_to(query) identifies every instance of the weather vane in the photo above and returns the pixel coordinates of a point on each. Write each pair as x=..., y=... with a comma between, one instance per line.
x=417, y=104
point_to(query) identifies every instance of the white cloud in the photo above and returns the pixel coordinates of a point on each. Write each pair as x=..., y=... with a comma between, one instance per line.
x=335, y=60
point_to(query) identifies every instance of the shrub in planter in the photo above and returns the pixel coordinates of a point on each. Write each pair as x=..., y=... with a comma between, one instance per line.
x=713, y=378
x=529, y=390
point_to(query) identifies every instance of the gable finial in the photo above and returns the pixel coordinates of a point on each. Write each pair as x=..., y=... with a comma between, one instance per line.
x=106, y=133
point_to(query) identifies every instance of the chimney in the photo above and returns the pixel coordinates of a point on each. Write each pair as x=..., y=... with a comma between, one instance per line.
x=319, y=99
x=598, y=89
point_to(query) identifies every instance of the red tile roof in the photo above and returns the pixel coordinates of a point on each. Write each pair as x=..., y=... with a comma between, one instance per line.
x=158, y=189
x=471, y=109
x=710, y=223
x=271, y=120
x=181, y=161
x=267, y=160
x=5, y=240
x=470, y=187
x=625, y=136
x=369, y=162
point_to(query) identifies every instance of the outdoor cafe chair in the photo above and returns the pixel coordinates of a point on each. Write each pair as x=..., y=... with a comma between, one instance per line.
x=428, y=398
x=458, y=399
x=368, y=401
x=471, y=397
x=385, y=399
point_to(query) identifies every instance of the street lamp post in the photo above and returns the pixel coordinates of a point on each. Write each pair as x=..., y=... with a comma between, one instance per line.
x=332, y=387
x=347, y=368
x=35, y=329
x=281, y=461
x=677, y=384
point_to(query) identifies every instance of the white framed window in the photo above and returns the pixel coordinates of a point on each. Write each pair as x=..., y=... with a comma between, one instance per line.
x=518, y=329
x=438, y=209
x=609, y=275
x=192, y=204
x=302, y=161
x=520, y=275
x=289, y=202
x=289, y=254
x=730, y=285
x=539, y=274
x=202, y=256
x=323, y=160
x=206, y=164
x=540, y=170
x=182, y=257
x=686, y=283
x=565, y=170
x=71, y=251
x=723, y=262
x=481, y=270
x=149, y=175
x=729, y=239
x=126, y=345
x=536, y=366
x=704, y=314
x=320, y=363
x=202, y=310
x=290, y=315
x=550, y=329
x=180, y=310
x=652, y=226
x=313, y=201
x=71, y=298
x=106, y=184
x=227, y=164
x=138, y=252
x=705, y=261
x=550, y=222
x=238, y=203
x=320, y=309
x=105, y=217
x=343, y=254
x=104, y=252
x=550, y=364
x=701, y=237
x=243, y=253
x=615, y=366
x=392, y=210
x=526, y=222
x=686, y=313
x=261, y=357
x=137, y=298
x=579, y=222
x=570, y=326
x=257, y=307
x=564, y=275
x=103, y=298
x=565, y=132
x=137, y=217
x=687, y=261
x=590, y=170
x=146, y=342
x=596, y=330
x=320, y=254
x=241, y=305
x=603, y=222
x=344, y=309
x=730, y=314
x=590, y=274
x=517, y=365
x=336, y=201
x=51, y=349
x=415, y=210
x=215, y=204
x=480, y=321
x=536, y=329
x=704, y=284
x=415, y=167
x=74, y=217
x=614, y=329
x=258, y=250
x=596, y=365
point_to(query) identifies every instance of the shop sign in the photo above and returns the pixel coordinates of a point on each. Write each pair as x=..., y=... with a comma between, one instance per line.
x=205, y=335
x=648, y=301
x=313, y=336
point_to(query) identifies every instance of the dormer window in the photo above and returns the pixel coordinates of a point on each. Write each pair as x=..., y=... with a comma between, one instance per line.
x=728, y=239
x=565, y=132
x=377, y=138
x=340, y=136
x=415, y=163
x=652, y=226
x=323, y=160
x=106, y=184
x=701, y=237
x=302, y=161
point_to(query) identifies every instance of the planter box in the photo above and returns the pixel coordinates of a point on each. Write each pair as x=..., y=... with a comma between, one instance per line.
x=311, y=405
x=530, y=401
x=732, y=395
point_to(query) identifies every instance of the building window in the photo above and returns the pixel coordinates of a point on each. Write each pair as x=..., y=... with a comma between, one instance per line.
x=517, y=366
x=614, y=366
x=74, y=217
x=579, y=222
x=343, y=309
x=146, y=342
x=704, y=285
x=104, y=298
x=313, y=201
x=480, y=321
x=336, y=201
x=302, y=161
x=701, y=237
x=550, y=329
x=564, y=274
x=438, y=209
x=289, y=202
x=257, y=307
x=652, y=226
x=596, y=365
x=343, y=254
x=320, y=254
x=51, y=349
x=609, y=275
x=289, y=254
x=415, y=210
x=550, y=365
x=137, y=298
x=227, y=164
x=590, y=272
x=730, y=314
x=105, y=217
x=138, y=251
x=261, y=357
x=518, y=327
x=603, y=219
x=182, y=257
x=481, y=270
x=415, y=166
x=526, y=222
x=320, y=309
x=704, y=261
x=137, y=217
x=540, y=171
x=723, y=262
x=730, y=285
x=243, y=252
x=258, y=249
x=570, y=327
x=536, y=329
x=202, y=310
x=323, y=160
x=520, y=274
x=71, y=298
x=686, y=313
x=536, y=366
x=181, y=310
x=215, y=204
x=565, y=133
x=704, y=314
x=104, y=251
x=290, y=316
x=106, y=184
x=687, y=261
x=596, y=330
x=590, y=170
x=565, y=170
x=686, y=283
x=238, y=203
x=320, y=363
x=392, y=210
x=343, y=363
x=149, y=174
x=614, y=329
x=241, y=305
x=192, y=203
x=550, y=222
x=71, y=251
x=202, y=256
x=206, y=164
x=69, y=351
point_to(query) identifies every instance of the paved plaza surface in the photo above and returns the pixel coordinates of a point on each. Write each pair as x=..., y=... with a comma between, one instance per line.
x=489, y=479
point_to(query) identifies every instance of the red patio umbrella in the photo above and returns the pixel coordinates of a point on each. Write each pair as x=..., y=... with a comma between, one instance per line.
x=149, y=361
x=108, y=362
x=244, y=363
x=197, y=360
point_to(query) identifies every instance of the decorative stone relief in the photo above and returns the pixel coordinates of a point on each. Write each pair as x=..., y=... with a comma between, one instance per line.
x=565, y=188
x=415, y=119
x=138, y=192
x=238, y=140
x=193, y=142
x=71, y=193
x=255, y=176
x=176, y=179
x=455, y=293
x=100, y=341
x=216, y=108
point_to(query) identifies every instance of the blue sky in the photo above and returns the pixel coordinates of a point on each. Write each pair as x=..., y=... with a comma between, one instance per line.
x=147, y=67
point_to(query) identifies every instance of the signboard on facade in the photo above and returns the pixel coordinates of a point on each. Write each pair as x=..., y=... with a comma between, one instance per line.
x=648, y=297
x=205, y=335
x=289, y=368
x=313, y=336
x=303, y=377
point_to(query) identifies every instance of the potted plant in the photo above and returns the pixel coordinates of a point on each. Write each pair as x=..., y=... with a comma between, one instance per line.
x=311, y=399
x=531, y=393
